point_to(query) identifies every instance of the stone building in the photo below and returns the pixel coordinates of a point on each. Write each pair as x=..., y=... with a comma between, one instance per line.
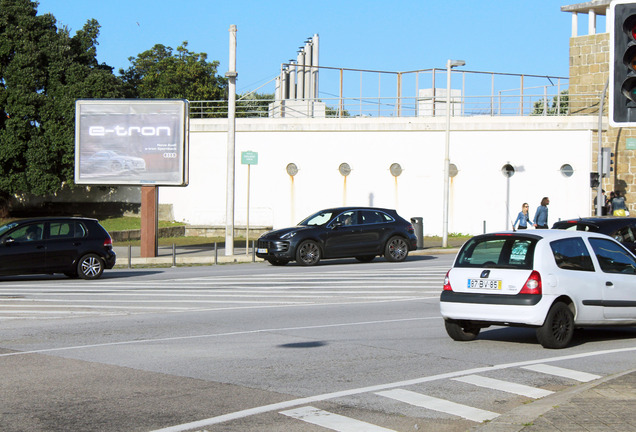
x=589, y=72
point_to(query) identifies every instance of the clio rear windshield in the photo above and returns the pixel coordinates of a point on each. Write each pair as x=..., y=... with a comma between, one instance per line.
x=498, y=251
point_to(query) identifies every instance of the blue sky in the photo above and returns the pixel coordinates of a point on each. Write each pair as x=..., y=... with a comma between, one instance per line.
x=512, y=36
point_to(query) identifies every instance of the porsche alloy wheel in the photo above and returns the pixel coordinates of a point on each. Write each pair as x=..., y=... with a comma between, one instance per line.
x=308, y=253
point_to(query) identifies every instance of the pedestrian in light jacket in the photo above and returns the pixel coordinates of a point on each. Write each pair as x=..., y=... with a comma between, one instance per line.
x=522, y=218
x=541, y=215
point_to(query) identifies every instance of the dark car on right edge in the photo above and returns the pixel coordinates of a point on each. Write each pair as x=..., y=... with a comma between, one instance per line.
x=621, y=229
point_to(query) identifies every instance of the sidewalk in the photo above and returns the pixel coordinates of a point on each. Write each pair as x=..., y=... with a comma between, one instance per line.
x=207, y=255
x=606, y=404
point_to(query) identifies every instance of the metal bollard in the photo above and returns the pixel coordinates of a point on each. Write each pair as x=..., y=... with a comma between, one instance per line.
x=174, y=255
x=484, y=227
x=253, y=252
x=216, y=254
x=129, y=256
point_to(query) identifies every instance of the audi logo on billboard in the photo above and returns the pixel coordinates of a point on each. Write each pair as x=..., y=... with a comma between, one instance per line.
x=169, y=155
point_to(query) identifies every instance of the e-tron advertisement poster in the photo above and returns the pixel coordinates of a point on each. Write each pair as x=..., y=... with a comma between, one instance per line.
x=131, y=142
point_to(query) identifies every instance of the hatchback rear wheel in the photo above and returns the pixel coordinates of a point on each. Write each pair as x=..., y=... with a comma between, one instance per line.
x=558, y=328
x=461, y=331
x=90, y=266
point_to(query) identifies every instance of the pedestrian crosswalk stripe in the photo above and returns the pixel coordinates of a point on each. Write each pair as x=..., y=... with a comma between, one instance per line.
x=332, y=421
x=562, y=372
x=506, y=386
x=442, y=405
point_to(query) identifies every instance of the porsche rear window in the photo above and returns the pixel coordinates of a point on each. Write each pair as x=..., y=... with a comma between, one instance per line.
x=497, y=252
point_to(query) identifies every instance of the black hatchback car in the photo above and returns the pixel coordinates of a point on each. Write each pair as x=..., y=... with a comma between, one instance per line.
x=622, y=229
x=77, y=247
x=360, y=232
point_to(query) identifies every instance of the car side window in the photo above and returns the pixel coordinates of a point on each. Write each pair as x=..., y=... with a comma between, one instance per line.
x=624, y=235
x=80, y=230
x=348, y=218
x=612, y=257
x=571, y=254
x=31, y=232
x=372, y=217
x=61, y=230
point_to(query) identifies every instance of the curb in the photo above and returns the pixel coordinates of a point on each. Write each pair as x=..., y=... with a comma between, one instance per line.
x=524, y=416
x=123, y=261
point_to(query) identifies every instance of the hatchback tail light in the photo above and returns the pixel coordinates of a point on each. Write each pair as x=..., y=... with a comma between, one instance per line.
x=447, y=285
x=108, y=242
x=533, y=284
x=410, y=228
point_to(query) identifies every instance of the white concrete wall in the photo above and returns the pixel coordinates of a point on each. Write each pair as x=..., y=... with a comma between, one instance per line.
x=536, y=146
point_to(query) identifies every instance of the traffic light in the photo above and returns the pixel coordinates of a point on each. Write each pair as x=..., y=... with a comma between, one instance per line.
x=622, y=96
x=594, y=180
x=607, y=161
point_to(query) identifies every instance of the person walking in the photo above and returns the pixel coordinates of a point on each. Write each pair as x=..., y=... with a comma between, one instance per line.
x=619, y=208
x=522, y=218
x=608, y=204
x=541, y=215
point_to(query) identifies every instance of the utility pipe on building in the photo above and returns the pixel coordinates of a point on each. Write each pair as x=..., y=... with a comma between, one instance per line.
x=231, y=135
x=599, y=154
x=315, y=63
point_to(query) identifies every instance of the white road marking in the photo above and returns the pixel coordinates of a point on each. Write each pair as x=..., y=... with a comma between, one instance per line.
x=213, y=335
x=562, y=372
x=374, y=389
x=506, y=386
x=442, y=405
x=332, y=421
x=36, y=299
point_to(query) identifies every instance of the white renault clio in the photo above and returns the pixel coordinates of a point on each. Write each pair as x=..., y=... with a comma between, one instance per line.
x=553, y=280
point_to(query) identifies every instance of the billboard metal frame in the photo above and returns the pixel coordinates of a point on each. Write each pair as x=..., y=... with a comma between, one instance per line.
x=133, y=142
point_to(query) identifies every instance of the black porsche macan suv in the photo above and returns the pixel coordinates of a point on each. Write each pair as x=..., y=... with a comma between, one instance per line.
x=360, y=232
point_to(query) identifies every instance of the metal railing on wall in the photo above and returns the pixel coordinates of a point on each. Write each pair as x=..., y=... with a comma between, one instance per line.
x=486, y=105
x=366, y=93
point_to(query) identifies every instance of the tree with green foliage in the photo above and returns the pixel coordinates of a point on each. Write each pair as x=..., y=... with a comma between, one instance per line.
x=161, y=73
x=254, y=104
x=43, y=70
x=563, y=102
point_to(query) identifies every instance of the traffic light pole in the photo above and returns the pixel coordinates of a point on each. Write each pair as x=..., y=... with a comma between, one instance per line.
x=599, y=158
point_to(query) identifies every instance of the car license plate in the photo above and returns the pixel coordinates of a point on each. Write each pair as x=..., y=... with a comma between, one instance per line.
x=261, y=250
x=484, y=284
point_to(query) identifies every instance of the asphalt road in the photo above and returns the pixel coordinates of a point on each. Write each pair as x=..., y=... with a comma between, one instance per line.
x=252, y=347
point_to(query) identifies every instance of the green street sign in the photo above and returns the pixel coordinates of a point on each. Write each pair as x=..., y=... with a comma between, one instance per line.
x=630, y=144
x=249, y=158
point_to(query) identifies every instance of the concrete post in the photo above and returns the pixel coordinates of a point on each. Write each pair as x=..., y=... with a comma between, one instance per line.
x=231, y=132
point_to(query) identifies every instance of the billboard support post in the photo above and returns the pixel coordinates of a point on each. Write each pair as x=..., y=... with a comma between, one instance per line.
x=149, y=221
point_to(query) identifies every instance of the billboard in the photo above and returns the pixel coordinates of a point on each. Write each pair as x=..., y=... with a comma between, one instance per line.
x=131, y=142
